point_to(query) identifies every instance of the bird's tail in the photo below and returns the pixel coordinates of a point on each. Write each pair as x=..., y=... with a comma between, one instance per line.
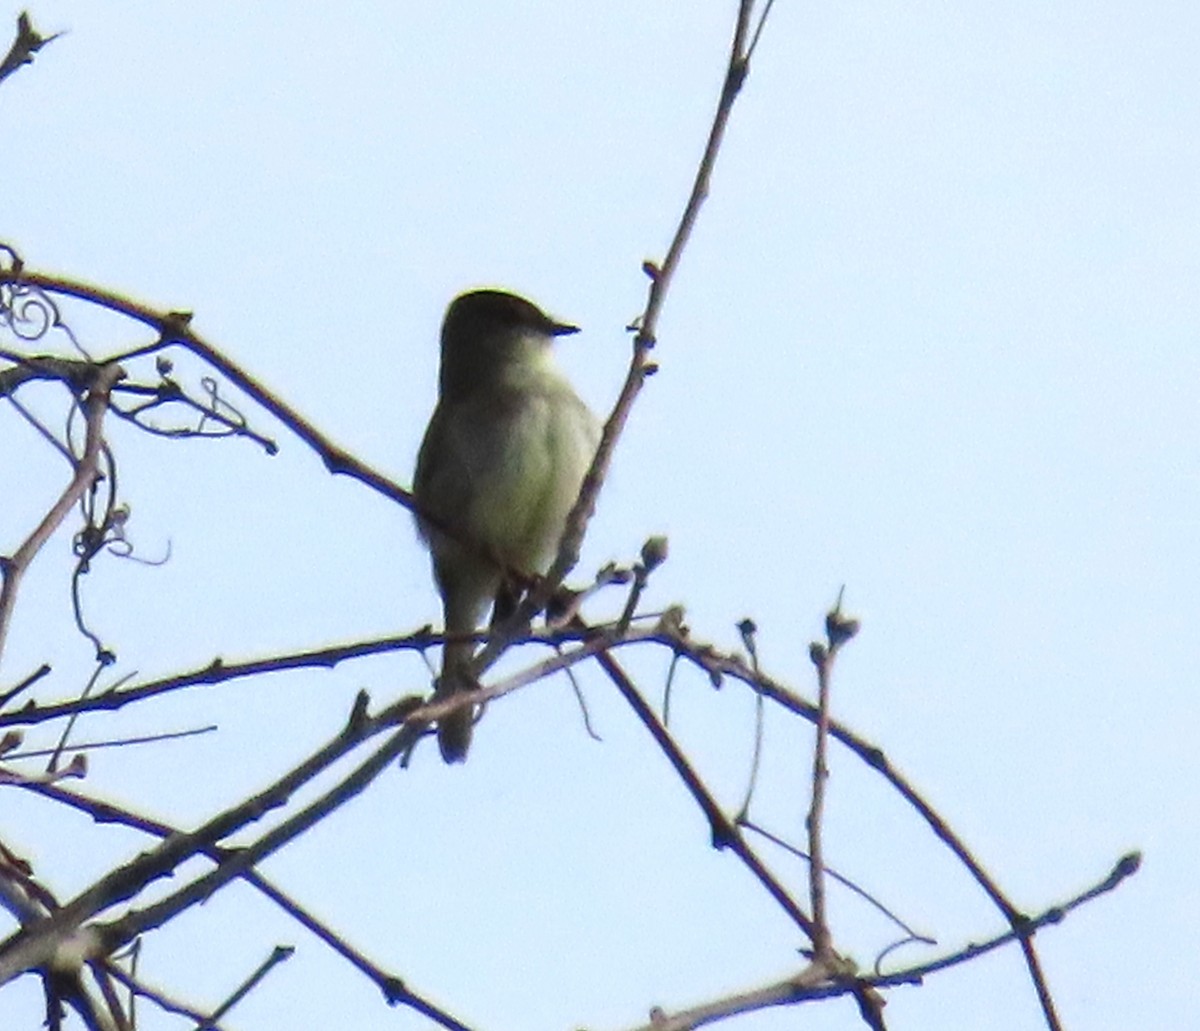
x=454, y=729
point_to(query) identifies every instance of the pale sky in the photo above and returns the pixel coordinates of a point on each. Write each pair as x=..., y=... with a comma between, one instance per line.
x=934, y=339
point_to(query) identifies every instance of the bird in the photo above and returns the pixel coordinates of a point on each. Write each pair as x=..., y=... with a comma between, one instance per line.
x=500, y=467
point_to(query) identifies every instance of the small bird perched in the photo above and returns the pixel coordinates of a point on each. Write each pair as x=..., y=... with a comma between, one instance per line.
x=501, y=464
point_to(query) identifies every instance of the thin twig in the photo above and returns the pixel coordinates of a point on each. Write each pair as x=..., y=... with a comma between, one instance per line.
x=218, y=671
x=747, y=629
x=805, y=987
x=138, y=987
x=640, y=365
x=40, y=428
x=121, y=742
x=822, y=656
x=279, y=954
x=56, y=752
x=173, y=329
x=862, y=893
x=13, y=569
x=23, y=685
x=725, y=834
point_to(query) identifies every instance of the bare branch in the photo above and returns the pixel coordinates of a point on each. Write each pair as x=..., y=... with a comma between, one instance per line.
x=13, y=569
x=394, y=989
x=640, y=366
x=838, y=630
x=725, y=833
x=280, y=954
x=174, y=329
x=807, y=985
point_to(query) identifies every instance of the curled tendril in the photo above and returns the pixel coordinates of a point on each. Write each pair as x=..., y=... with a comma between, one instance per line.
x=210, y=415
x=105, y=521
x=28, y=313
x=219, y=408
x=104, y=526
x=111, y=535
x=911, y=939
x=98, y=506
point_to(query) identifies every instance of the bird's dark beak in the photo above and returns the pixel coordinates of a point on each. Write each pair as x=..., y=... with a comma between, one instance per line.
x=562, y=329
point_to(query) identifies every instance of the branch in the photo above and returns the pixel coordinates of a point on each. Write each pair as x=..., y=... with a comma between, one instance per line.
x=394, y=989
x=174, y=329
x=160, y=998
x=640, y=365
x=86, y=469
x=717, y=664
x=218, y=671
x=806, y=986
x=39, y=944
x=838, y=630
x=725, y=833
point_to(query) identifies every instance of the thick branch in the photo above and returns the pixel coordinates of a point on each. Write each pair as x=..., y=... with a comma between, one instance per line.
x=37, y=945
